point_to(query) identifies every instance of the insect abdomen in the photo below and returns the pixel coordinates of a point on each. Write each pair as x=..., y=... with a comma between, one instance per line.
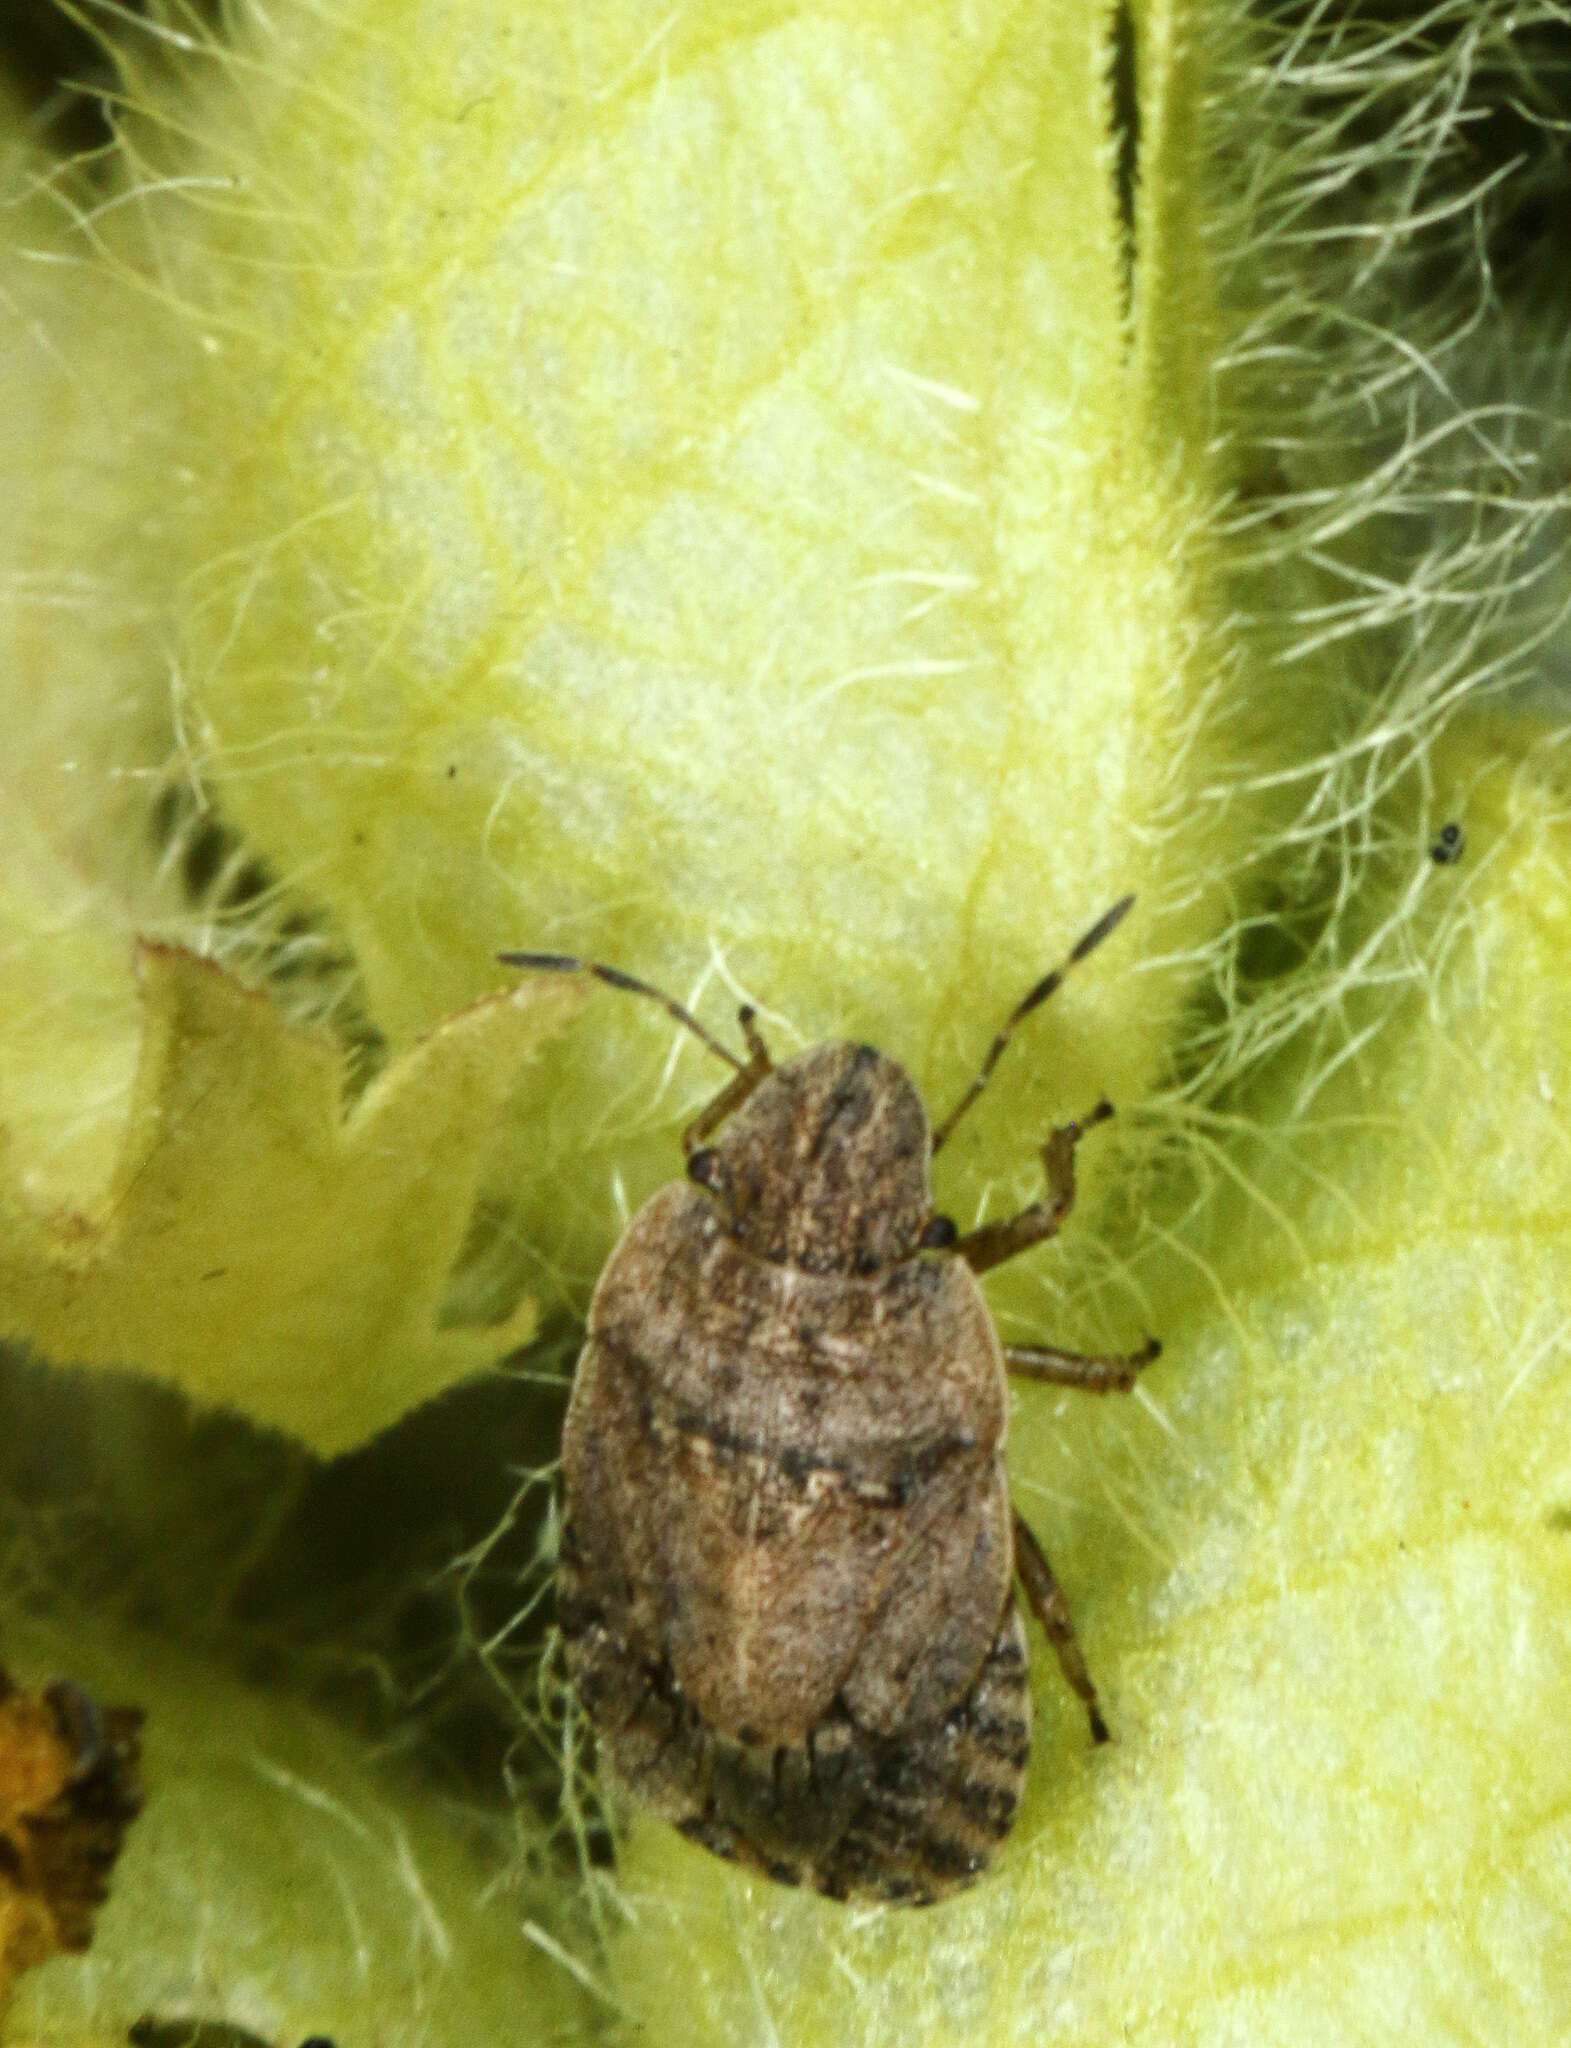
x=846, y=1813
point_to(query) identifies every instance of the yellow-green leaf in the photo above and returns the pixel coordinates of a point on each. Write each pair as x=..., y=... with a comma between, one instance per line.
x=279, y=1881
x=262, y=1247
x=699, y=504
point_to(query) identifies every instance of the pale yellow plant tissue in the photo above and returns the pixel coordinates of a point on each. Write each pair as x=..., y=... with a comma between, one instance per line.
x=701, y=488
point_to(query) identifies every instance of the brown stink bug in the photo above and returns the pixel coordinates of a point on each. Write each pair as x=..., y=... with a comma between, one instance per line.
x=788, y=1551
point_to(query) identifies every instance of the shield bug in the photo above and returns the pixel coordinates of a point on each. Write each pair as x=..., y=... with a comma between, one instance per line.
x=788, y=1552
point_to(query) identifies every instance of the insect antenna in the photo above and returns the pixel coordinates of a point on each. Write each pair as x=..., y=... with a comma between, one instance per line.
x=568, y=963
x=1103, y=928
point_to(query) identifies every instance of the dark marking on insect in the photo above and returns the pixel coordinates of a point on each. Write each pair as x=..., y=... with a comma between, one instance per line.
x=1448, y=845
x=786, y=1579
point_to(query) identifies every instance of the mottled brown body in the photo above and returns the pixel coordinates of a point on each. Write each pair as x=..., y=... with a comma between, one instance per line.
x=787, y=1556
x=788, y=1551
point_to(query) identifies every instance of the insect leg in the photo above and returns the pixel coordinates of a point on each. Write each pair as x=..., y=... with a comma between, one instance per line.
x=1104, y=926
x=1047, y=1603
x=1101, y=1372
x=994, y=1242
x=736, y=1090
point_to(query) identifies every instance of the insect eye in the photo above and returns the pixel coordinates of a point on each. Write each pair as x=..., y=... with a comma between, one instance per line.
x=705, y=1168
x=938, y=1234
